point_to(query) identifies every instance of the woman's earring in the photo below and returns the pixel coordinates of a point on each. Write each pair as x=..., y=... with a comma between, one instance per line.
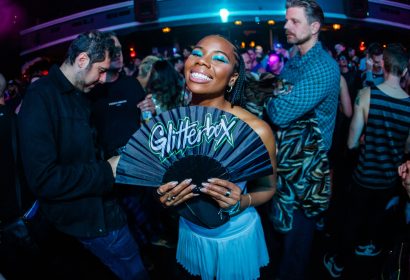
x=230, y=89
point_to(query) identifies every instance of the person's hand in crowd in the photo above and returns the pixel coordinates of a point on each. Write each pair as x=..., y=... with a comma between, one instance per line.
x=225, y=193
x=174, y=193
x=404, y=173
x=369, y=64
x=147, y=104
x=113, y=161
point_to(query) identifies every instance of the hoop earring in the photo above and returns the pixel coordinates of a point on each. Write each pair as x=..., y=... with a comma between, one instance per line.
x=230, y=89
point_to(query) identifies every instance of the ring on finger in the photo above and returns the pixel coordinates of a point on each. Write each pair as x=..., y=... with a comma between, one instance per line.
x=169, y=198
x=159, y=192
x=228, y=193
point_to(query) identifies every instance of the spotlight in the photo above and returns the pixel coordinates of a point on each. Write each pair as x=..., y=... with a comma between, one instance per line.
x=336, y=26
x=362, y=46
x=224, y=13
x=133, y=53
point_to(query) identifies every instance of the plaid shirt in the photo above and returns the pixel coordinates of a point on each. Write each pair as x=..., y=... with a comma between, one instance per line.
x=315, y=85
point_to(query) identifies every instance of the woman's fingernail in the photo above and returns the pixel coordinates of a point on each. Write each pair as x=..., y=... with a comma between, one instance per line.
x=188, y=181
x=174, y=183
x=211, y=180
x=193, y=187
x=205, y=184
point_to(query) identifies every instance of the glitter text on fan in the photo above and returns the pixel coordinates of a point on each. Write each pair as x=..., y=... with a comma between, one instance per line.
x=167, y=140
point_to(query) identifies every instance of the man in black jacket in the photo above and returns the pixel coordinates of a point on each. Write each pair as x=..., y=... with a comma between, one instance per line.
x=75, y=190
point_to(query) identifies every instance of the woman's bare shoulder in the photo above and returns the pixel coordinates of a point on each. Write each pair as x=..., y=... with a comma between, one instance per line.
x=261, y=127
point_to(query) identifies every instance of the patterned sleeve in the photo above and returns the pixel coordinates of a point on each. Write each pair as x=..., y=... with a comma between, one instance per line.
x=305, y=95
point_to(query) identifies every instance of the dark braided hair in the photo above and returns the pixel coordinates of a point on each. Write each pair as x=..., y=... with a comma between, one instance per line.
x=236, y=95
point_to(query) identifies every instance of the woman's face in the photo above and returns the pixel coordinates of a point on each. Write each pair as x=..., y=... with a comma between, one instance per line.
x=210, y=67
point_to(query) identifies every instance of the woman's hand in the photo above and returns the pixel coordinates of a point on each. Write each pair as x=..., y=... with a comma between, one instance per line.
x=147, y=104
x=225, y=193
x=172, y=193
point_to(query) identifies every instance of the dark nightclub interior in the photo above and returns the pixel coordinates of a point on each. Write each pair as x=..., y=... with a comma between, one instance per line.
x=39, y=32
x=43, y=28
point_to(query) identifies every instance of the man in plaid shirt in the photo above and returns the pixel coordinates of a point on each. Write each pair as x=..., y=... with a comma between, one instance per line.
x=313, y=80
x=310, y=82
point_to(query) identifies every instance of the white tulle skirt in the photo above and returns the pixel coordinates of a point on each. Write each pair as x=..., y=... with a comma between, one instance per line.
x=235, y=250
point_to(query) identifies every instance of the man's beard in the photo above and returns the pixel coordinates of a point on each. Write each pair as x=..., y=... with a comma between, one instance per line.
x=81, y=83
x=297, y=41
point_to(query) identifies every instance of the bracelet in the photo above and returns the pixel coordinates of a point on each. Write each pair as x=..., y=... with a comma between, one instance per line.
x=233, y=210
x=250, y=200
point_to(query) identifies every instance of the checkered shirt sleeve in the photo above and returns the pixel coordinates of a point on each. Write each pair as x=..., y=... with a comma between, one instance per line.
x=313, y=77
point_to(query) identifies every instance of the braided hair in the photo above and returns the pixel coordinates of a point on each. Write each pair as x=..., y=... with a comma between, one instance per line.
x=236, y=95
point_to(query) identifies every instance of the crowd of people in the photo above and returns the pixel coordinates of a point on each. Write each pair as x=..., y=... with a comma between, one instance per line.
x=336, y=127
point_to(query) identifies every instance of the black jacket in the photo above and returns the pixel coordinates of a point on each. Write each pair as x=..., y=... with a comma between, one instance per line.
x=75, y=190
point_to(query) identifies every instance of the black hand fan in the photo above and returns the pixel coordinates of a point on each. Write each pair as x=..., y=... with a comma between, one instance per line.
x=194, y=142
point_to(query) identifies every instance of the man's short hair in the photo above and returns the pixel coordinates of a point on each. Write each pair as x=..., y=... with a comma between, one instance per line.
x=94, y=43
x=312, y=9
x=375, y=49
x=395, y=59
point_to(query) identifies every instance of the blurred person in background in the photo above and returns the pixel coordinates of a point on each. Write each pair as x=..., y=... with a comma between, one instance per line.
x=144, y=70
x=116, y=106
x=165, y=86
x=13, y=94
x=374, y=73
x=275, y=63
x=405, y=80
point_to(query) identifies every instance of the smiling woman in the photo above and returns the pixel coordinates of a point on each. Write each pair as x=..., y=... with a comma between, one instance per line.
x=213, y=69
x=214, y=74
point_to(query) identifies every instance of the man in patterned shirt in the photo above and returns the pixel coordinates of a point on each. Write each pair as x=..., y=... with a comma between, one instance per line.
x=312, y=79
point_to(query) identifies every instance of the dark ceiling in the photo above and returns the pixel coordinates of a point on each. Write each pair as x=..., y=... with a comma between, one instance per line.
x=33, y=12
x=41, y=11
x=16, y=15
